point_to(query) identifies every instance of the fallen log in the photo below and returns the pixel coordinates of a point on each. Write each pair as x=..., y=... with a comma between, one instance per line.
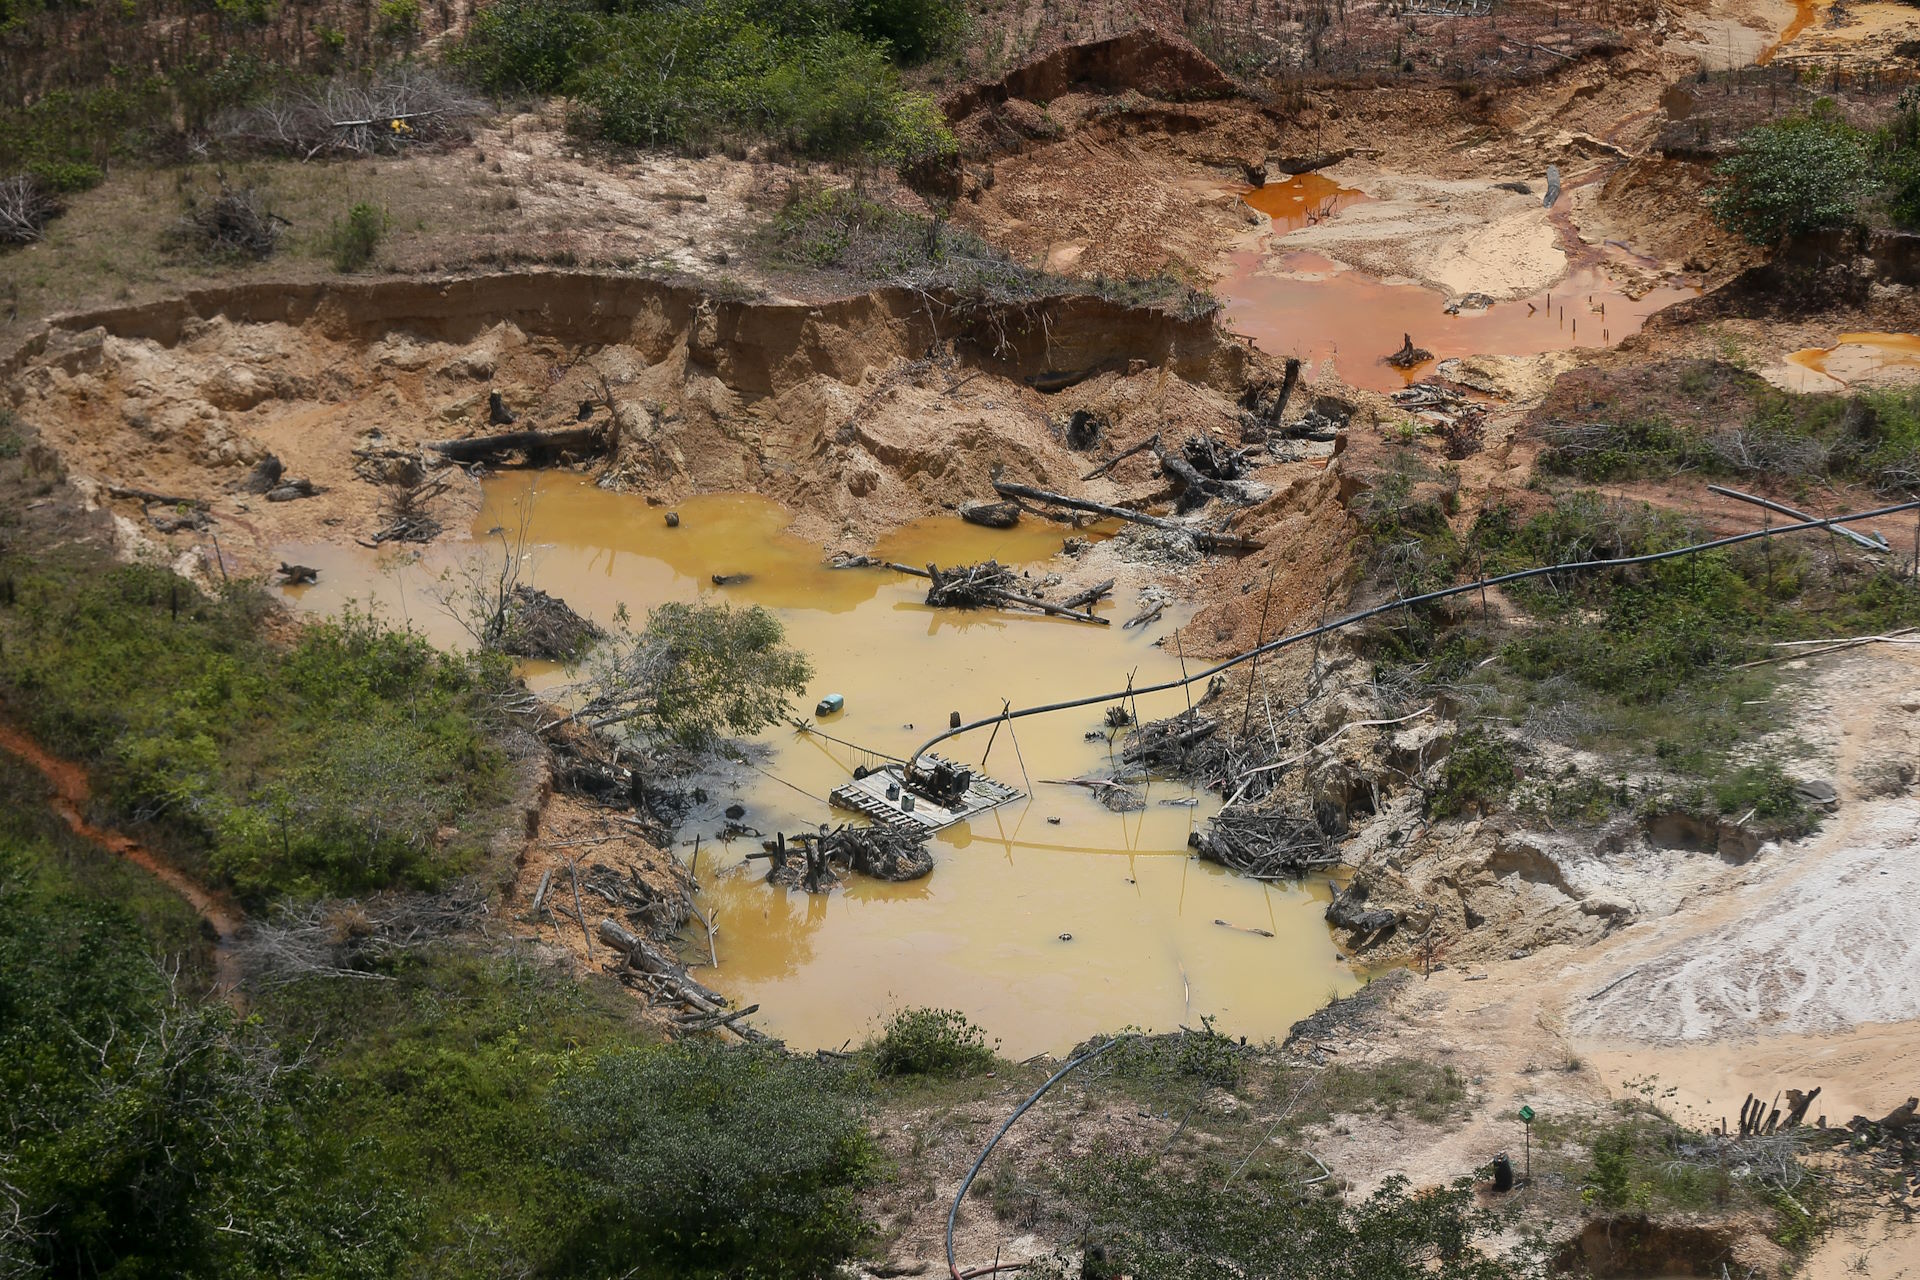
x=991, y=515
x=482, y=448
x=1055, y=610
x=1151, y=442
x=1206, y=538
x=648, y=958
x=1190, y=488
x=1087, y=597
x=147, y=495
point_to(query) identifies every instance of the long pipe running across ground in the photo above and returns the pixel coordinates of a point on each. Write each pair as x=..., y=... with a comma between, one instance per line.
x=1407, y=602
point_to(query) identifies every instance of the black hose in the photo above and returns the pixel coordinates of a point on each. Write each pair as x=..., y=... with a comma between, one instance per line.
x=953, y=1269
x=1408, y=602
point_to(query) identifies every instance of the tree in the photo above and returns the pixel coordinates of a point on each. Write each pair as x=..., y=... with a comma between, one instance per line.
x=716, y=1161
x=697, y=672
x=1800, y=174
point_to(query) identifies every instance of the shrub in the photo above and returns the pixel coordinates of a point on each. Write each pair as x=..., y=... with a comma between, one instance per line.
x=914, y=29
x=399, y=19
x=350, y=241
x=1208, y=1221
x=1801, y=174
x=716, y=1161
x=25, y=209
x=931, y=1042
x=235, y=225
x=140, y=1131
x=528, y=46
x=1477, y=775
x=332, y=767
x=695, y=673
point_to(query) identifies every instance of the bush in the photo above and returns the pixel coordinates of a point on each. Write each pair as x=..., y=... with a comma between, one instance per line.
x=1801, y=174
x=812, y=78
x=529, y=46
x=350, y=242
x=915, y=30
x=234, y=226
x=931, y=1042
x=145, y=1133
x=695, y=673
x=716, y=1161
x=1477, y=775
x=1210, y=1222
x=332, y=767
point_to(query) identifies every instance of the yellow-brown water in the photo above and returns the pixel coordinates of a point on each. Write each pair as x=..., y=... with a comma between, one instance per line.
x=1855, y=358
x=983, y=933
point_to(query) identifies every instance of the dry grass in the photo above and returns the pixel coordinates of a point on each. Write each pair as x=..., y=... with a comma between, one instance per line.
x=106, y=249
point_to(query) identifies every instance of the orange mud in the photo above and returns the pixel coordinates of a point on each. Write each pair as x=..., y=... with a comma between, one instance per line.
x=983, y=932
x=1302, y=200
x=1803, y=15
x=69, y=799
x=1855, y=358
x=1306, y=305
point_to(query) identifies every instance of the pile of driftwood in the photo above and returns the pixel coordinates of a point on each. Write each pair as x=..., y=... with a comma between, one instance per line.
x=969, y=586
x=1206, y=539
x=1267, y=844
x=646, y=967
x=1456, y=419
x=407, y=513
x=639, y=901
x=986, y=585
x=1183, y=744
x=814, y=860
x=538, y=625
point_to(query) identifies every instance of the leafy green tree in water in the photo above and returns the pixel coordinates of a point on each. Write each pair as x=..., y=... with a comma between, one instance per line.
x=715, y=1162
x=695, y=673
x=1801, y=174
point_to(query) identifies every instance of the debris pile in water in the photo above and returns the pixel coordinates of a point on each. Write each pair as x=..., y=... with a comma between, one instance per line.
x=1268, y=844
x=538, y=625
x=814, y=861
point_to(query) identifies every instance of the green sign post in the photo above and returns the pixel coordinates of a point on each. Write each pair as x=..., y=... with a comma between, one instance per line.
x=1526, y=1118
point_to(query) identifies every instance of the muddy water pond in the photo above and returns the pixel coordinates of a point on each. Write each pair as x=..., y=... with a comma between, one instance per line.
x=1046, y=920
x=1308, y=305
x=1864, y=359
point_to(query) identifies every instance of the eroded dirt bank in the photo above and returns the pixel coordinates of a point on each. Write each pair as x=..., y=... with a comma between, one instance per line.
x=1572, y=961
x=859, y=414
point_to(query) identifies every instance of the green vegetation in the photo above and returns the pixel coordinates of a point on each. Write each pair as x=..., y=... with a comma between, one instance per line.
x=1428, y=1092
x=336, y=766
x=1817, y=170
x=1644, y=664
x=350, y=241
x=1804, y=173
x=143, y=1132
x=1477, y=775
x=1197, y=1222
x=695, y=673
x=1870, y=437
x=809, y=77
x=930, y=1042
x=715, y=1162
